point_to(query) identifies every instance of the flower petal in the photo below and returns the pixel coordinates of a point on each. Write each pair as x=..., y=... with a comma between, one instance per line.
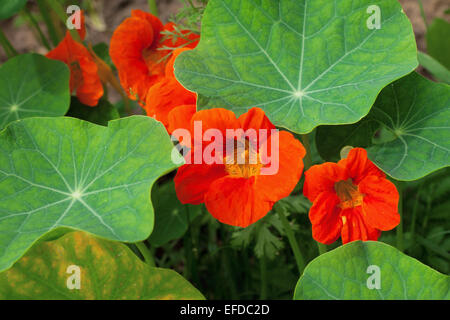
x=380, y=203
x=193, y=181
x=256, y=119
x=359, y=166
x=325, y=218
x=236, y=202
x=354, y=227
x=279, y=185
x=321, y=178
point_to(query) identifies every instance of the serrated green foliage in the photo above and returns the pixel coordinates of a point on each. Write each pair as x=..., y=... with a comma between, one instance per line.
x=342, y=274
x=64, y=172
x=100, y=114
x=109, y=271
x=10, y=8
x=406, y=133
x=304, y=62
x=172, y=218
x=31, y=86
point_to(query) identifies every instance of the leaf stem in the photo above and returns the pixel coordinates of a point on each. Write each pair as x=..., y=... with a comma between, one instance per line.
x=43, y=8
x=7, y=46
x=290, y=235
x=422, y=13
x=400, y=244
x=153, y=7
x=148, y=257
x=306, y=144
x=36, y=26
x=322, y=248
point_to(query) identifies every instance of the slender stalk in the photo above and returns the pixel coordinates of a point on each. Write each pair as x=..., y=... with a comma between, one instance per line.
x=191, y=262
x=148, y=257
x=7, y=46
x=322, y=248
x=45, y=13
x=36, y=27
x=414, y=213
x=422, y=13
x=60, y=14
x=263, y=271
x=307, y=159
x=153, y=7
x=300, y=261
x=400, y=244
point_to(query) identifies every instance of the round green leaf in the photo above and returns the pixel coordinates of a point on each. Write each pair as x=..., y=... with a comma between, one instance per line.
x=32, y=85
x=10, y=7
x=304, y=62
x=100, y=114
x=172, y=218
x=349, y=271
x=108, y=271
x=65, y=172
x=406, y=133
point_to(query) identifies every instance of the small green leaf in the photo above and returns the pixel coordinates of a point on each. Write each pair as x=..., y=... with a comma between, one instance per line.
x=438, y=45
x=100, y=114
x=344, y=273
x=64, y=172
x=406, y=133
x=440, y=72
x=108, y=271
x=31, y=86
x=304, y=62
x=10, y=8
x=171, y=216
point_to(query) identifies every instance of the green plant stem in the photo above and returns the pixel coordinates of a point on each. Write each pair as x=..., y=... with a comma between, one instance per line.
x=62, y=16
x=400, y=244
x=414, y=213
x=191, y=261
x=153, y=7
x=307, y=160
x=7, y=46
x=422, y=13
x=322, y=248
x=144, y=250
x=263, y=271
x=290, y=235
x=45, y=13
x=35, y=25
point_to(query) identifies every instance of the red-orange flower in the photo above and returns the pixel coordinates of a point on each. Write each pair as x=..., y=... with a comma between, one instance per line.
x=84, y=78
x=237, y=193
x=138, y=48
x=168, y=94
x=351, y=198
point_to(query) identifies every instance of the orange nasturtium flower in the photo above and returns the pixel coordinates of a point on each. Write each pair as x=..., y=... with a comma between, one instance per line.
x=168, y=94
x=236, y=192
x=139, y=49
x=351, y=198
x=84, y=77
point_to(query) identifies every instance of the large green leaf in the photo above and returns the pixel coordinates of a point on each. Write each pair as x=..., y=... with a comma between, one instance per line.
x=406, y=133
x=305, y=62
x=10, y=7
x=172, y=218
x=343, y=274
x=65, y=172
x=32, y=85
x=438, y=45
x=108, y=270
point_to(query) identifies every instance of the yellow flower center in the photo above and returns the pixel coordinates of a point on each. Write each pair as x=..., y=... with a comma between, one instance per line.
x=348, y=193
x=244, y=162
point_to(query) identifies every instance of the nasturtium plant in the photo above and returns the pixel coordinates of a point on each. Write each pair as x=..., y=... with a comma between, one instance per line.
x=406, y=133
x=107, y=270
x=370, y=270
x=240, y=147
x=32, y=85
x=65, y=172
x=304, y=62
